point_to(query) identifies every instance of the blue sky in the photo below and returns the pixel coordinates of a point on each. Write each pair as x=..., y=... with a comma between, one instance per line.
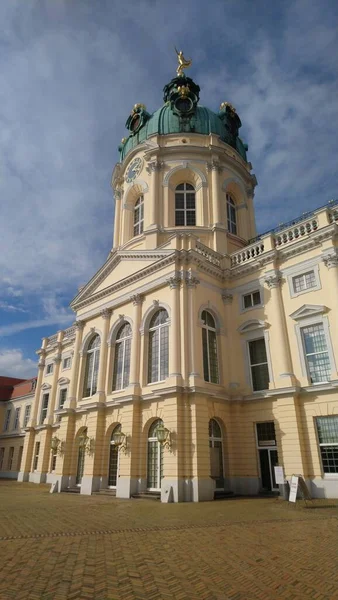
x=71, y=70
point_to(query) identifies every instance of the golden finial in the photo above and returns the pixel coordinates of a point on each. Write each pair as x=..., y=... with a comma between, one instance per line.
x=123, y=141
x=183, y=63
x=139, y=105
x=225, y=104
x=183, y=90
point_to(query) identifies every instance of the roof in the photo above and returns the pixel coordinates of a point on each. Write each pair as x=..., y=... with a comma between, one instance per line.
x=12, y=387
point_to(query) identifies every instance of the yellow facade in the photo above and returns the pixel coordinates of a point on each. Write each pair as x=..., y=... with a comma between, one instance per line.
x=268, y=300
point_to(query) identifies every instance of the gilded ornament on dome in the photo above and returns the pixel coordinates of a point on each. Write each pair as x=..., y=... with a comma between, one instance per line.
x=225, y=104
x=138, y=106
x=183, y=63
x=183, y=90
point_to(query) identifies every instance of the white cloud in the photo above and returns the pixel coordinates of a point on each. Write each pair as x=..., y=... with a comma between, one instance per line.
x=13, y=364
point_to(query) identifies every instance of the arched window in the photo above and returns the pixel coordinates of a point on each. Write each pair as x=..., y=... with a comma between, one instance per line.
x=216, y=453
x=113, y=459
x=231, y=215
x=138, y=216
x=155, y=458
x=158, y=361
x=92, y=367
x=122, y=357
x=209, y=342
x=185, y=212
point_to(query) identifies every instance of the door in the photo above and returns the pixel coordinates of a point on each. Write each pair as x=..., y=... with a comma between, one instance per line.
x=80, y=465
x=268, y=459
x=216, y=454
x=155, y=459
x=113, y=465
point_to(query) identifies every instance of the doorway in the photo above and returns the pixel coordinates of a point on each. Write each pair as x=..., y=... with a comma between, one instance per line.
x=113, y=460
x=268, y=455
x=216, y=454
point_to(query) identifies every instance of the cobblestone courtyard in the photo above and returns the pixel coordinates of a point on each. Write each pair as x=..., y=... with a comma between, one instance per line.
x=62, y=546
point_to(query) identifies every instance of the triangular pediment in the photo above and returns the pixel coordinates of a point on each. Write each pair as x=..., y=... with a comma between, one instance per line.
x=63, y=381
x=308, y=310
x=122, y=268
x=46, y=386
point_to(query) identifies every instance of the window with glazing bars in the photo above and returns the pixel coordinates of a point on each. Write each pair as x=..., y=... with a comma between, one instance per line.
x=231, y=214
x=304, y=282
x=10, y=458
x=122, y=357
x=92, y=367
x=27, y=415
x=327, y=428
x=158, y=359
x=7, y=419
x=17, y=418
x=266, y=433
x=36, y=456
x=209, y=342
x=62, y=397
x=185, y=205
x=44, y=408
x=316, y=353
x=252, y=299
x=139, y=216
x=258, y=365
x=2, y=454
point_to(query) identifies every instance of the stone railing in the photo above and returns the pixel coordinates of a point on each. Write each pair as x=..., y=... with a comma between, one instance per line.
x=209, y=255
x=295, y=232
x=53, y=339
x=332, y=215
x=248, y=253
x=70, y=332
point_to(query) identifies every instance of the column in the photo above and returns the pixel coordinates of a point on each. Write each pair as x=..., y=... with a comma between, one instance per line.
x=134, y=378
x=153, y=169
x=56, y=371
x=330, y=260
x=117, y=219
x=27, y=454
x=71, y=400
x=202, y=486
x=101, y=392
x=216, y=209
x=283, y=375
x=175, y=329
x=195, y=353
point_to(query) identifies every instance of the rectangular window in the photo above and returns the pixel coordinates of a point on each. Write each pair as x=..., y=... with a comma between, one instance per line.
x=49, y=369
x=53, y=461
x=2, y=454
x=17, y=418
x=316, y=353
x=7, y=419
x=327, y=428
x=10, y=458
x=305, y=281
x=252, y=299
x=33, y=388
x=66, y=363
x=266, y=434
x=36, y=456
x=63, y=397
x=44, y=408
x=27, y=415
x=19, y=458
x=258, y=365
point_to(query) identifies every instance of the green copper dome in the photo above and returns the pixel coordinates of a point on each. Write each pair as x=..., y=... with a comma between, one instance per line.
x=182, y=114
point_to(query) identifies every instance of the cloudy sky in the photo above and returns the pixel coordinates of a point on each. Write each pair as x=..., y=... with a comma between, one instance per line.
x=71, y=70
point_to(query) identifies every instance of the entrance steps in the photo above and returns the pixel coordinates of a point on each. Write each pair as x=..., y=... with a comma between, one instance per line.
x=147, y=496
x=72, y=490
x=105, y=492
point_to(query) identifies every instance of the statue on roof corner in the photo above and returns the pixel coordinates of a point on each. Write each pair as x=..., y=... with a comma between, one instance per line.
x=183, y=63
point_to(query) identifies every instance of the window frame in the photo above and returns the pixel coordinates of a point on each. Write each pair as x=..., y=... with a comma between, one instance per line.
x=44, y=409
x=327, y=475
x=64, y=359
x=208, y=328
x=62, y=389
x=2, y=457
x=138, y=214
x=252, y=330
x=183, y=193
x=94, y=351
x=298, y=270
x=10, y=458
x=49, y=368
x=308, y=354
x=7, y=419
x=122, y=342
x=17, y=418
x=36, y=455
x=231, y=206
x=160, y=328
x=257, y=339
x=251, y=294
x=26, y=416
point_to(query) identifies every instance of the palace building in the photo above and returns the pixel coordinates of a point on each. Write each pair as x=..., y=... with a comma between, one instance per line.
x=202, y=355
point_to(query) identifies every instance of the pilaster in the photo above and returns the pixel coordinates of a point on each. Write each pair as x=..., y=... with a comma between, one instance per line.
x=72, y=399
x=195, y=363
x=101, y=391
x=134, y=379
x=175, y=330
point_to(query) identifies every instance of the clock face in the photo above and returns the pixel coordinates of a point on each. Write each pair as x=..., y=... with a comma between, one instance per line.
x=134, y=169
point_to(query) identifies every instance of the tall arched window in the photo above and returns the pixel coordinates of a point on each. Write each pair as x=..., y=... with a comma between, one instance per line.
x=155, y=458
x=138, y=216
x=216, y=453
x=209, y=342
x=92, y=367
x=158, y=361
x=113, y=459
x=185, y=210
x=231, y=215
x=122, y=357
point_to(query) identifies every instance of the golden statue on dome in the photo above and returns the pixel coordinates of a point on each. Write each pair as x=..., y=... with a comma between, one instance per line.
x=183, y=63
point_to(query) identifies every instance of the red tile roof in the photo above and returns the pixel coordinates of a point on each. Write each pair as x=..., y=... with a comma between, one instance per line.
x=12, y=387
